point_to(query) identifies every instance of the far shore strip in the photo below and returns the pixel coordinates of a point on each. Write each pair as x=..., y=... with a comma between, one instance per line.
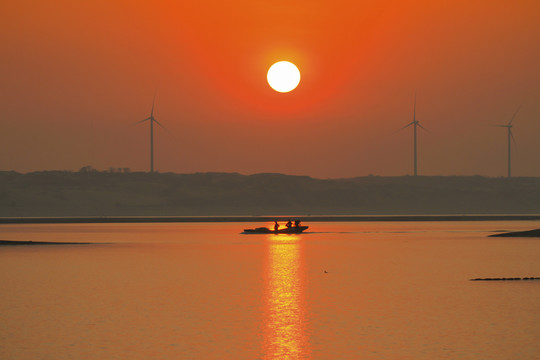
x=265, y=218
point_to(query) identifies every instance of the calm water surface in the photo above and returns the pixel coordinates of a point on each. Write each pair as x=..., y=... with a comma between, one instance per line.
x=204, y=291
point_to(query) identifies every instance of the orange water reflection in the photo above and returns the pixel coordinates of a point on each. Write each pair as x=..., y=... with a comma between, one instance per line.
x=285, y=313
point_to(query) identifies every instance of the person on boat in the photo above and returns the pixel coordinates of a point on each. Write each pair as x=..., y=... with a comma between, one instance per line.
x=297, y=223
x=289, y=224
x=276, y=226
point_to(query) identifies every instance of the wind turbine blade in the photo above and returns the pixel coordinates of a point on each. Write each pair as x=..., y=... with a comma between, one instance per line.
x=512, y=136
x=414, y=112
x=138, y=122
x=426, y=130
x=504, y=126
x=512, y=119
x=153, y=102
x=157, y=122
x=164, y=128
x=401, y=128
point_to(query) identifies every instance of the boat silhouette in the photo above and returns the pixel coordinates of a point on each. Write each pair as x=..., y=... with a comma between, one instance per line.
x=286, y=230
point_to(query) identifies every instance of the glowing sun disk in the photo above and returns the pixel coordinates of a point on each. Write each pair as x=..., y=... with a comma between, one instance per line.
x=283, y=76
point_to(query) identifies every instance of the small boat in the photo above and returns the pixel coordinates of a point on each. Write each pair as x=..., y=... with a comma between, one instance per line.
x=265, y=230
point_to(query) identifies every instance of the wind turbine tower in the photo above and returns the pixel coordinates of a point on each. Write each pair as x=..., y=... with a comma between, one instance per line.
x=415, y=124
x=510, y=139
x=152, y=121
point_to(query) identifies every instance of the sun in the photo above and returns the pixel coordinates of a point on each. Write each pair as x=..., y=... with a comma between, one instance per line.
x=283, y=76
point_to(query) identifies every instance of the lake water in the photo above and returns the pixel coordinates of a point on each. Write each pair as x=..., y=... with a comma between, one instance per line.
x=385, y=290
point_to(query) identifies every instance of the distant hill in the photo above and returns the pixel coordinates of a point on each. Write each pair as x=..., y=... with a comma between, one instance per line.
x=93, y=193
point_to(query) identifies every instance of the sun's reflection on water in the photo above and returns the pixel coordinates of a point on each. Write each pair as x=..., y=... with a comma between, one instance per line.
x=284, y=333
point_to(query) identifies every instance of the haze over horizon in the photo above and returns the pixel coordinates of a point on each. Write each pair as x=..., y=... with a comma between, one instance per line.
x=77, y=75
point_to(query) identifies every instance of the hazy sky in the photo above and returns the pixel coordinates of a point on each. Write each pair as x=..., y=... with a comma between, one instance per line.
x=74, y=75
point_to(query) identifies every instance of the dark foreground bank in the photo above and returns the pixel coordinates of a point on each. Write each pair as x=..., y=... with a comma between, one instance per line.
x=506, y=279
x=528, y=233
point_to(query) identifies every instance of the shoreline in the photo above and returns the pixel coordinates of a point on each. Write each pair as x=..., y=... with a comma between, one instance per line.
x=527, y=233
x=23, y=242
x=244, y=219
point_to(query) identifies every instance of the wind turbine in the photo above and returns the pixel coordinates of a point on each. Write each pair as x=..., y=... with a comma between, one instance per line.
x=152, y=121
x=415, y=124
x=510, y=137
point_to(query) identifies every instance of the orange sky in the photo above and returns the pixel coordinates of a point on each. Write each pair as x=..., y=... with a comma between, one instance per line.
x=75, y=75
